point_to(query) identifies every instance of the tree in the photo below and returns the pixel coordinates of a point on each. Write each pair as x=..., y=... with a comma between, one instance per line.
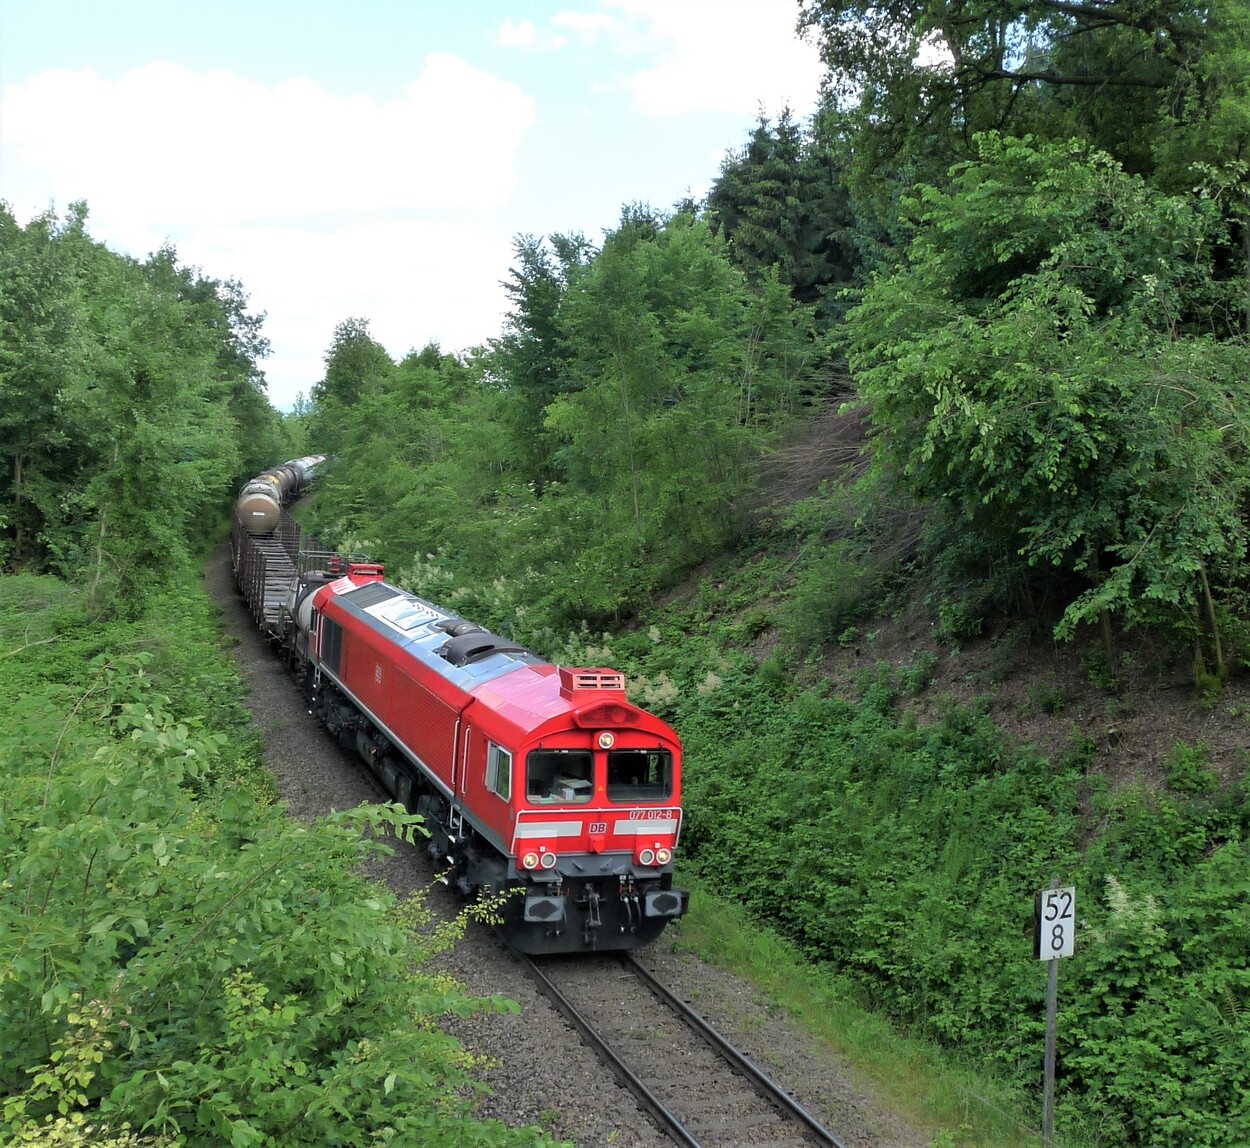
x=678, y=371
x=781, y=202
x=42, y=342
x=1044, y=366
x=530, y=358
x=222, y=306
x=357, y=365
x=596, y=474
x=1145, y=82
x=119, y=380
x=158, y=446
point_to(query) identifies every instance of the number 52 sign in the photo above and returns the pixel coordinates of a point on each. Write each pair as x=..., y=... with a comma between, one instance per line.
x=1056, y=923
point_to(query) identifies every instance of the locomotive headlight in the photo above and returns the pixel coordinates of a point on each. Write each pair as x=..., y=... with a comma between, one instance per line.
x=646, y=857
x=530, y=860
x=663, y=856
x=606, y=740
x=549, y=860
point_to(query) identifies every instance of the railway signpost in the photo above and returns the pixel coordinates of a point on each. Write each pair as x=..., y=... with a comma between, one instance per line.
x=1053, y=938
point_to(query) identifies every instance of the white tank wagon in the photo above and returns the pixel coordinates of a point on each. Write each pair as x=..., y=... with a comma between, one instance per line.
x=269, y=549
x=262, y=498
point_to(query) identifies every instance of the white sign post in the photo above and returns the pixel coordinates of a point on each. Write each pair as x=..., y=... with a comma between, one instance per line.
x=1054, y=936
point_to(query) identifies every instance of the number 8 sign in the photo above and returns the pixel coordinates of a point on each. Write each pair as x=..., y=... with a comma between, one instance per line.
x=1056, y=923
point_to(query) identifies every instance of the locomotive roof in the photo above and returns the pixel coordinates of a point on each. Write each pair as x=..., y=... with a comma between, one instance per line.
x=518, y=686
x=429, y=633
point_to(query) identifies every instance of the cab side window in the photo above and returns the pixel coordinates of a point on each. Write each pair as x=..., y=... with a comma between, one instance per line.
x=498, y=770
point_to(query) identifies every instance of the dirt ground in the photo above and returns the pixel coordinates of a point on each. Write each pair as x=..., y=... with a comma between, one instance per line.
x=1055, y=698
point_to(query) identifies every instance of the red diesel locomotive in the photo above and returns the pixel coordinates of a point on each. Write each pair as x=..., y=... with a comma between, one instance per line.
x=531, y=777
x=539, y=781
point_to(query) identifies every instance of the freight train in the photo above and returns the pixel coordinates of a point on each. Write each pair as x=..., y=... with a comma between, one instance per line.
x=540, y=782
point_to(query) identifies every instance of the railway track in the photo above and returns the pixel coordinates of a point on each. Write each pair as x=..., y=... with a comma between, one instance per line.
x=702, y=1091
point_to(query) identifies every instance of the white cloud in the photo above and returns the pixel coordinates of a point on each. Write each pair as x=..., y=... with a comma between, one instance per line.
x=380, y=203
x=414, y=280
x=723, y=56
x=726, y=56
x=587, y=26
x=397, y=209
x=164, y=143
x=520, y=35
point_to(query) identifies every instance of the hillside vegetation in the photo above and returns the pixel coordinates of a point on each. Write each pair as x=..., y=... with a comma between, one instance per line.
x=950, y=379
x=180, y=962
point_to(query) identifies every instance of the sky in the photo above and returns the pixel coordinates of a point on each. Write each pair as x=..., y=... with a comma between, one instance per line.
x=376, y=159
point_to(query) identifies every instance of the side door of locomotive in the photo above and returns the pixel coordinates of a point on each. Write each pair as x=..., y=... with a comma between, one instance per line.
x=493, y=771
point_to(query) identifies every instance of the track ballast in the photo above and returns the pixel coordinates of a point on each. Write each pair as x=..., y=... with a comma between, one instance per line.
x=701, y=1090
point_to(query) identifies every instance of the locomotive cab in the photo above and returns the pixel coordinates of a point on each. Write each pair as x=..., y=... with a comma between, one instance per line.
x=640, y=775
x=593, y=844
x=559, y=776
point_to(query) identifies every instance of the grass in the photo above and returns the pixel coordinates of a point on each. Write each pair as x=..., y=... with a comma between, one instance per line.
x=951, y=1105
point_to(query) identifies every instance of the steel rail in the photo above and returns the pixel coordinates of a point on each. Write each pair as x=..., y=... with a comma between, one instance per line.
x=667, y=1120
x=763, y=1083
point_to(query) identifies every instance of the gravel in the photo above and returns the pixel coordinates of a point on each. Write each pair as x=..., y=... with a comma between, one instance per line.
x=536, y=1068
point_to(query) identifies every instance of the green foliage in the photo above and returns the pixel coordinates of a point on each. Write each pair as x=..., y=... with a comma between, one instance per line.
x=1186, y=769
x=530, y=358
x=848, y=554
x=1156, y=1031
x=905, y=854
x=832, y=590
x=357, y=367
x=48, y=637
x=918, y=674
x=598, y=450
x=127, y=388
x=1048, y=696
x=654, y=447
x=781, y=204
x=1055, y=383
x=1157, y=85
x=210, y=971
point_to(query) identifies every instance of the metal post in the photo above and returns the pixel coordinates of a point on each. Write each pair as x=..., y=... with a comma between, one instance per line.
x=1048, y=1095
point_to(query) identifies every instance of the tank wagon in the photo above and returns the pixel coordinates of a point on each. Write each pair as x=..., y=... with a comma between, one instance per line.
x=535, y=780
x=262, y=498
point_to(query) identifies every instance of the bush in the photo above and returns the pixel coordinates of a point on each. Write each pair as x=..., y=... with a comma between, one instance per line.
x=206, y=970
x=905, y=855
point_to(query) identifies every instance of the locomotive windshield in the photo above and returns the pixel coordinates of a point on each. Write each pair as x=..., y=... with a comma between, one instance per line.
x=640, y=775
x=561, y=775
